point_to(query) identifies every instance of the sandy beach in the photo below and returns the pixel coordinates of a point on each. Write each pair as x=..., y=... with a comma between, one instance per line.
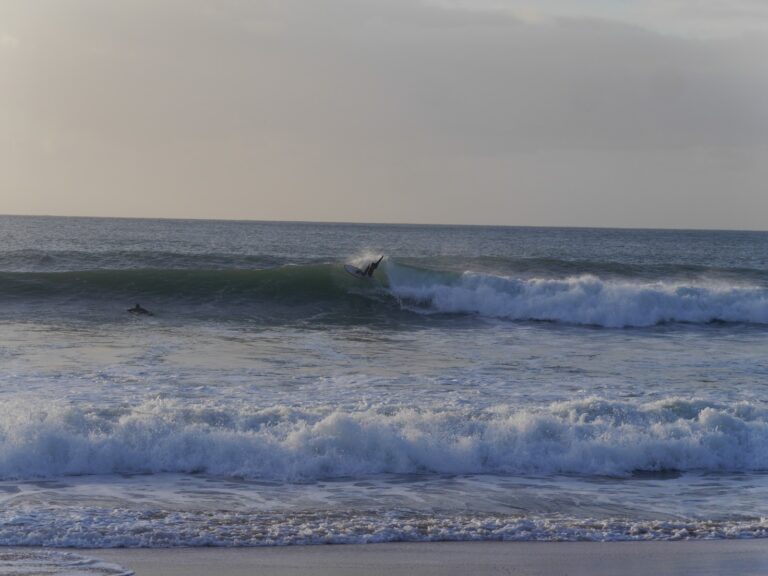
x=723, y=557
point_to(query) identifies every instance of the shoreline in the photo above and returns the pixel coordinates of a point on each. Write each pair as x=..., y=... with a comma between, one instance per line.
x=709, y=557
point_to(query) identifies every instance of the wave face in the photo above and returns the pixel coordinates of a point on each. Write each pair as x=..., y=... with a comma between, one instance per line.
x=588, y=437
x=232, y=286
x=288, y=272
x=291, y=293
x=623, y=301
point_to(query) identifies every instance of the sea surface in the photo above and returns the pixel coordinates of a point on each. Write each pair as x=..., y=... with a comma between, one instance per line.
x=488, y=383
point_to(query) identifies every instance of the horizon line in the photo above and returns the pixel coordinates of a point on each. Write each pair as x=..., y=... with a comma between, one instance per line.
x=373, y=223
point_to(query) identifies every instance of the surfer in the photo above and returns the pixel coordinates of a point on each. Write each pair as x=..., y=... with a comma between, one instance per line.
x=139, y=310
x=371, y=268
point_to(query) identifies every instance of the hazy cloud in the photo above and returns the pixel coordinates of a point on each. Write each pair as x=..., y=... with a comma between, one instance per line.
x=386, y=110
x=8, y=40
x=681, y=17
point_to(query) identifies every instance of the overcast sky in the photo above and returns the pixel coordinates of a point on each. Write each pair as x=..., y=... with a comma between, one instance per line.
x=557, y=112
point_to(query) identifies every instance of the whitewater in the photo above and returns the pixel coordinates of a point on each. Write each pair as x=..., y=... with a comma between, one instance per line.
x=487, y=384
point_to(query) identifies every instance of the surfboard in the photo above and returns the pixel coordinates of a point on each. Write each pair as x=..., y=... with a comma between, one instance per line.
x=355, y=271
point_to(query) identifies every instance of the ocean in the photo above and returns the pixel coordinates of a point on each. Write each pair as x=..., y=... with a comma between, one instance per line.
x=488, y=383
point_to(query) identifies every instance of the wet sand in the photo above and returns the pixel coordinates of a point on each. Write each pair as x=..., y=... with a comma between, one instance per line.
x=699, y=558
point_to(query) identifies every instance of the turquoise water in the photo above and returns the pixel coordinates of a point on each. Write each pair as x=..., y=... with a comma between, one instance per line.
x=488, y=383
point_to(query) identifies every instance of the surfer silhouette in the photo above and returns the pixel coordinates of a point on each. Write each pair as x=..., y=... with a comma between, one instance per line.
x=139, y=310
x=371, y=268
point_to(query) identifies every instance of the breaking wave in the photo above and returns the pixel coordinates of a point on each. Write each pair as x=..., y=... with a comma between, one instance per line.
x=587, y=437
x=625, y=301
x=586, y=300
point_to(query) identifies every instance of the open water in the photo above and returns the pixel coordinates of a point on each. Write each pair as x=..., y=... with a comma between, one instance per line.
x=487, y=384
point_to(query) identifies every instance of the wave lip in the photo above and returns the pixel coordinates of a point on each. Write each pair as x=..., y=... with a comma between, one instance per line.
x=588, y=437
x=585, y=300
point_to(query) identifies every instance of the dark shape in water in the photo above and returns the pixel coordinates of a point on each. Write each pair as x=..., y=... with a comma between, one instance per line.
x=138, y=310
x=371, y=268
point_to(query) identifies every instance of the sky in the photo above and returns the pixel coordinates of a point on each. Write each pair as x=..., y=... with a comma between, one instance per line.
x=622, y=113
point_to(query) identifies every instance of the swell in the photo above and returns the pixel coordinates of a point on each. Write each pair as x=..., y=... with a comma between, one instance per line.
x=46, y=260
x=586, y=437
x=631, y=300
x=37, y=260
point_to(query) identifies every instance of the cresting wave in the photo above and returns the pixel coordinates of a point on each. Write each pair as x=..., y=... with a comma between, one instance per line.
x=588, y=437
x=583, y=300
x=586, y=300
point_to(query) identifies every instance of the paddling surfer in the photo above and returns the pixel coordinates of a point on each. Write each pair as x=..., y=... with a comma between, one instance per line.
x=138, y=310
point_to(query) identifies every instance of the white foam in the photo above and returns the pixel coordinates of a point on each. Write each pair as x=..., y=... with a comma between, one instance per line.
x=579, y=300
x=109, y=528
x=36, y=562
x=593, y=436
